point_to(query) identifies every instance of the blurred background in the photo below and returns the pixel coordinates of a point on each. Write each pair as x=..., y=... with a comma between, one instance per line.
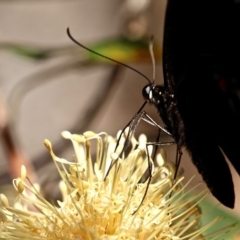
x=48, y=84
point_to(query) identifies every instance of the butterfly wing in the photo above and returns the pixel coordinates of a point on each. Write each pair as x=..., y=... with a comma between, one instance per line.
x=200, y=46
x=215, y=172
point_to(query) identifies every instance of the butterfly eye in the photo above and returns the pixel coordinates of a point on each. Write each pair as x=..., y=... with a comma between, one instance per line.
x=147, y=92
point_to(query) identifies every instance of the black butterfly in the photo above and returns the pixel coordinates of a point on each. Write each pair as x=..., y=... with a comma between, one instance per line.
x=201, y=51
x=198, y=102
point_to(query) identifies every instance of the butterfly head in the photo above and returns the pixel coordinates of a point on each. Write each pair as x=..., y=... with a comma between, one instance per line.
x=153, y=94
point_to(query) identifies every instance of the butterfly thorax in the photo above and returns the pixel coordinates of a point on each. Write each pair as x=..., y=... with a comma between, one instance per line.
x=166, y=105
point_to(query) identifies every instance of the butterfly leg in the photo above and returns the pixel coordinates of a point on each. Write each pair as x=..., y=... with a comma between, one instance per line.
x=148, y=119
x=177, y=161
x=145, y=117
x=150, y=164
x=132, y=125
x=177, y=164
x=179, y=148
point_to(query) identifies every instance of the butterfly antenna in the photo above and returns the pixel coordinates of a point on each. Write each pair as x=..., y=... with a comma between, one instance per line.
x=152, y=57
x=88, y=49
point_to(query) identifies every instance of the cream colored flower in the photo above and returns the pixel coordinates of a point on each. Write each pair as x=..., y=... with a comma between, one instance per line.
x=98, y=204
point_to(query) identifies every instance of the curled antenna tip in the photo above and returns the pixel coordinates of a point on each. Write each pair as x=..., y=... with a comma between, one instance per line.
x=68, y=32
